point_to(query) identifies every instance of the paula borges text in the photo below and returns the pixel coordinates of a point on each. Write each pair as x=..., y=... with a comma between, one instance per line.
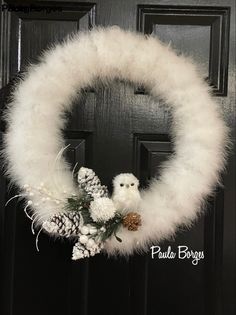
x=182, y=252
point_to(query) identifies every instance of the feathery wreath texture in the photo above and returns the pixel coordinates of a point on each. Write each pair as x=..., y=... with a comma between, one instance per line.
x=35, y=120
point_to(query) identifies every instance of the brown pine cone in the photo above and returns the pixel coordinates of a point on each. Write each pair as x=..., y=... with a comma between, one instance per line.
x=132, y=221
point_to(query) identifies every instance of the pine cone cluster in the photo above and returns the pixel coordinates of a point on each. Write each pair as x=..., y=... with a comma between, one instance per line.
x=132, y=221
x=90, y=183
x=63, y=224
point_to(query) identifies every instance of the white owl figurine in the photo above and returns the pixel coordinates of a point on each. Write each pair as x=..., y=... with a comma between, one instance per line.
x=126, y=196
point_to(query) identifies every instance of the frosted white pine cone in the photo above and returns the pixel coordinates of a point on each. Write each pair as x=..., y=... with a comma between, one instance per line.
x=78, y=251
x=64, y=224
x=102, y=209
x=93, y=248
x=86, y=250
x=90, y=183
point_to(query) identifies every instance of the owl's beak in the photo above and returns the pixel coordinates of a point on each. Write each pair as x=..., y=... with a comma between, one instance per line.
x=127, y=185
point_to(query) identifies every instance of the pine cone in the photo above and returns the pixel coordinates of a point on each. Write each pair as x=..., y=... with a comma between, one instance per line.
x=63, y=224
x=84, y=250
x=132, y=221
x=90, y=183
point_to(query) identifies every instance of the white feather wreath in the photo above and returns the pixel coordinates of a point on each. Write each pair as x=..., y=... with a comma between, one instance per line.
x=35, y=121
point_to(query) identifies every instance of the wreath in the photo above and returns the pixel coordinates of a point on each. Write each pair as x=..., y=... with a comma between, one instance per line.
x=84, y=211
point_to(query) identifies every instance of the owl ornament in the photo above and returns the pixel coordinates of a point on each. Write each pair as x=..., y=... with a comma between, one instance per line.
x=126, y=195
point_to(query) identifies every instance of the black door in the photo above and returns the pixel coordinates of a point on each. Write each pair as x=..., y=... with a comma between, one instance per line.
x=113, y=129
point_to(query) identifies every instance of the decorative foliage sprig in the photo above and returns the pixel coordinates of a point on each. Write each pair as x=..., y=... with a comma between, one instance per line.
x=105, y=229
x=90, y=217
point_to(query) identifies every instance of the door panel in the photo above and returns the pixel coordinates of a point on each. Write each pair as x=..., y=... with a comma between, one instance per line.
x=185, y=27
x=119, y=128
x=27, y=34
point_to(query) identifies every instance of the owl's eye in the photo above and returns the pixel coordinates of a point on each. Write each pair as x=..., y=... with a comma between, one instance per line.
x=132, y=184
x=121, y=185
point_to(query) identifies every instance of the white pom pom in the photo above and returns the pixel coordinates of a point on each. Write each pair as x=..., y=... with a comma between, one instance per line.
x=102, y=209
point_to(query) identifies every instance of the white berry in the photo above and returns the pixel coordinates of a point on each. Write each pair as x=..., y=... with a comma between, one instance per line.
x=84, y=230
x=92, y=230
